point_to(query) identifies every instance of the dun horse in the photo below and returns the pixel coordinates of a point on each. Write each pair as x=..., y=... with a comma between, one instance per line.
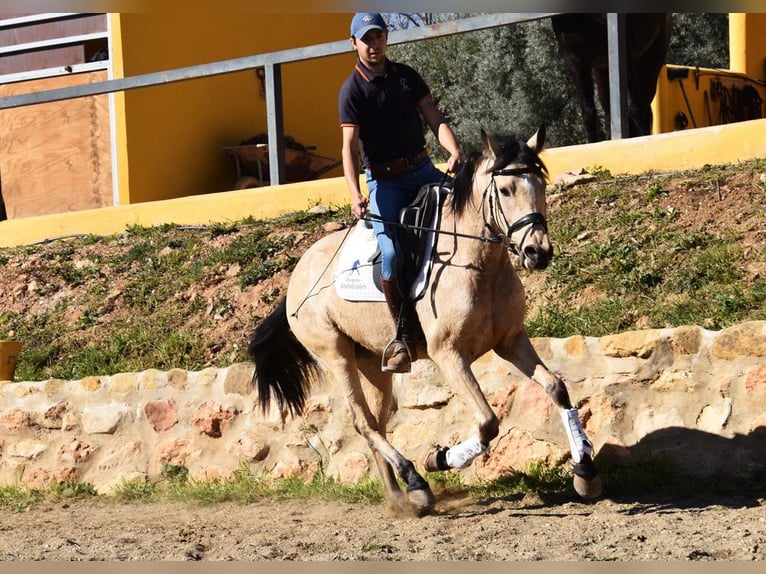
x=582, y=39
x=473, y=304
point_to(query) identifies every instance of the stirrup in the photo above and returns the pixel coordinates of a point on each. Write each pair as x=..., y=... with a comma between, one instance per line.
x=399, y=348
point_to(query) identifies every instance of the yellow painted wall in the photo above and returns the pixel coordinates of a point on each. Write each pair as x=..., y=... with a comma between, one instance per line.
x=658, y=153
x=119, y=137
x=175, y=134
x=705, y=97
x=747, y=44
x=697, y=96
x=165, y=156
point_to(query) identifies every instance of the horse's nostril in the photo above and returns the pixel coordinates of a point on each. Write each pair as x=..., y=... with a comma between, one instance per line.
x=535, y=252
x=537, y=257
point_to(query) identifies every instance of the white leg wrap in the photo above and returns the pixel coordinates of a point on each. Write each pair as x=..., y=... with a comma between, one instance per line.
x=578, y=442
x=462, y=455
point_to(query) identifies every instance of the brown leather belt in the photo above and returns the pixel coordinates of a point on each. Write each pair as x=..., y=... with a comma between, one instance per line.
x=397, y=167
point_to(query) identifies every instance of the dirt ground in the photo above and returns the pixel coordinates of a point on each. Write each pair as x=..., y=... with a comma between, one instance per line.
x=523, y=529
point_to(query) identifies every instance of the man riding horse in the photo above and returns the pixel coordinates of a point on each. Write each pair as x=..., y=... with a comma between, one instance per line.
x=380, y=107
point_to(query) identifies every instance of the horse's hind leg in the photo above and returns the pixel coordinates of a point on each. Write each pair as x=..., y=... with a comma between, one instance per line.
x=367, y=418
x=522, y=354
x=377, y=387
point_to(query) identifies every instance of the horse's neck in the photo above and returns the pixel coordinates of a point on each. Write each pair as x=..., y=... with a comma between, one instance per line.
x=472, y=244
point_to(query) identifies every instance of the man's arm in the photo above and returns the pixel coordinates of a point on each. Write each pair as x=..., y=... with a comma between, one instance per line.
x=350, y=156
x=439, y=126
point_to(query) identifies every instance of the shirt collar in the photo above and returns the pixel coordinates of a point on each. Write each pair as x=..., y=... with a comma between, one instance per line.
x=368, y=75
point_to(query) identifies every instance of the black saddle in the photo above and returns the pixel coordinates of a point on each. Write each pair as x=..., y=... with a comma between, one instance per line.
x=415, y=221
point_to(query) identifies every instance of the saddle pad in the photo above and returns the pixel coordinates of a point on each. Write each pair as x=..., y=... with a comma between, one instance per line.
x=355, y=273
x=354, y=279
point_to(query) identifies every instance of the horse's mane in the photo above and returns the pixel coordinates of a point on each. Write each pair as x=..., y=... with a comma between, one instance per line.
x=512, y=150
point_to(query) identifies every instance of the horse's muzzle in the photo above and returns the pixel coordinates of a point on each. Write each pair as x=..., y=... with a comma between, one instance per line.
x=536, y=257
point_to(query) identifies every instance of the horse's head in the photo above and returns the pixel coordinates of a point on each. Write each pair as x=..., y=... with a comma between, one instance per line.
x=510, y=177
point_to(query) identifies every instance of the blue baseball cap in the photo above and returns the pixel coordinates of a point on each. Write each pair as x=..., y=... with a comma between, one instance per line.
x=363, y=22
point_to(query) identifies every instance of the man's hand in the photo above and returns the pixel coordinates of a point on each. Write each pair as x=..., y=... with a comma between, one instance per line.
x=360, y=207
x=455, y=161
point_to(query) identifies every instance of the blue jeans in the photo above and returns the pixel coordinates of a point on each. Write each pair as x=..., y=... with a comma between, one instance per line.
x=387, y=197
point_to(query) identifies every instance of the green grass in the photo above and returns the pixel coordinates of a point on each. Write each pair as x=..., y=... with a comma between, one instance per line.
x=150, y=271
x=244, y=487
x=539, y=478
x=637, y=261
x=20, y=499
x=649, y=477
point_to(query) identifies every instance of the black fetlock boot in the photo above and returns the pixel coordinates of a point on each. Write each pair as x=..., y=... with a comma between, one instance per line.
x=399, y=353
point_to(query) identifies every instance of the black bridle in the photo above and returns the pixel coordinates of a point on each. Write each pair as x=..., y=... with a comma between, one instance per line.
x=533, y=220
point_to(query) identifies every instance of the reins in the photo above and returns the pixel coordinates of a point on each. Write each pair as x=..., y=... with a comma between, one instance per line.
x=531, y=219
x=373, y=217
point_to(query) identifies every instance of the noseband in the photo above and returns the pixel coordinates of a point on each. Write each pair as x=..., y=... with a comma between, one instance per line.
x=498, y=216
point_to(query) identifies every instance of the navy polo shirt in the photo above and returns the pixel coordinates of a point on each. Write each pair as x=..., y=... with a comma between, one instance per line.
x=384, y=106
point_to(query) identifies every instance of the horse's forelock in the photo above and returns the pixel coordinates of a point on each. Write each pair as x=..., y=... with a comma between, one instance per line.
x=514, y=150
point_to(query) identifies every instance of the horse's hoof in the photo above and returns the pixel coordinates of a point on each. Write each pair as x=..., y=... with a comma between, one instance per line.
x=421, y=499
x=587, y=487
x=436, y=459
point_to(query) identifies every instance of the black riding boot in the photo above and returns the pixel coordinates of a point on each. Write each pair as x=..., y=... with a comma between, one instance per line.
x=402, y=348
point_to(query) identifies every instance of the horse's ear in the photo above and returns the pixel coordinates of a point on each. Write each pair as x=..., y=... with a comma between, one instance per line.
x=537, y=141
x=488, y=144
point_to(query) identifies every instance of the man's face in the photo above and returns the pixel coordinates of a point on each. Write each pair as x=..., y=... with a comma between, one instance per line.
x=371, y=47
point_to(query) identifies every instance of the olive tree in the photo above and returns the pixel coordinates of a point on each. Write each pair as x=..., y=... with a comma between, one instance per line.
x=512, y=78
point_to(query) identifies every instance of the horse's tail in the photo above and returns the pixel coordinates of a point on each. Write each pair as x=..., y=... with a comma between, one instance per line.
x=283, y=366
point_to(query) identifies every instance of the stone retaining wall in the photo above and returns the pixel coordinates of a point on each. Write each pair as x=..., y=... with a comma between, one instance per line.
x=696, y=395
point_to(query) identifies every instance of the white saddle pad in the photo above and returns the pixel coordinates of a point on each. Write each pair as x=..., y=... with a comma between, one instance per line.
x=354, y=273
x=353, y=276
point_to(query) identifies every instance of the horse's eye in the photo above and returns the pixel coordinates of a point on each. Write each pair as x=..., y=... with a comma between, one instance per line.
x=505, y=191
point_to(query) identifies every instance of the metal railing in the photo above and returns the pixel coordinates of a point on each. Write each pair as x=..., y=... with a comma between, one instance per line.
x=271, y=63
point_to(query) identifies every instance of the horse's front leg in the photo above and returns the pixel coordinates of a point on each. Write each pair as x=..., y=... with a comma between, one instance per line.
x=461, y=455
x=520, y=352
